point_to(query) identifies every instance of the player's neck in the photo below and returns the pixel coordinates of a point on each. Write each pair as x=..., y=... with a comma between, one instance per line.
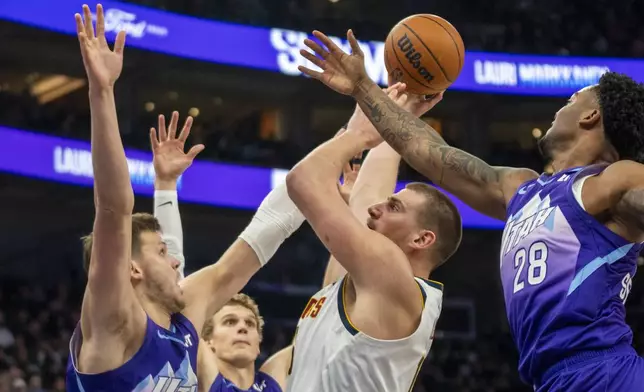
x=421, y=268
x=156, y=312
x=572, y=159
x=582, y=152
x=243, y=377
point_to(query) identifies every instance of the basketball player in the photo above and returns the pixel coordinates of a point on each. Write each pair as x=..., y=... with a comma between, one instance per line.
x=371, y=330
x=231, y=338
x=569, y=249
x=138, y=327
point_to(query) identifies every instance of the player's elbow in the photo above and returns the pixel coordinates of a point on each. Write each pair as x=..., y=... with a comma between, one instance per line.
x=297, y=184
x=115, y=201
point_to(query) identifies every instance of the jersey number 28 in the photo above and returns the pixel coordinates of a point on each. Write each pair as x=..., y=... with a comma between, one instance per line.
x=536, y=256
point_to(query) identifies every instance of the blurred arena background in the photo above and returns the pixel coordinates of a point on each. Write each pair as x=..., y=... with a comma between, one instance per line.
x=257, y=117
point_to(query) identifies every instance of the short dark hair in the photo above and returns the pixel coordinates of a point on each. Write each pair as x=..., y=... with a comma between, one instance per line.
x=621, y=101
x=440, y=215
x=141, y=223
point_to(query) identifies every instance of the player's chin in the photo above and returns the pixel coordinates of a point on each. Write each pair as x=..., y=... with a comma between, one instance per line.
x=371, y=224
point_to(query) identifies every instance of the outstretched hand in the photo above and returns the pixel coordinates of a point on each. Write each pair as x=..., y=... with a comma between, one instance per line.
x=103, y=65
x=341, y=71
x=170, y=160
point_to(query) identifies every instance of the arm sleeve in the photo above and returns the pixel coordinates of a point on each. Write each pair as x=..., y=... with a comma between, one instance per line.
x=166, y=210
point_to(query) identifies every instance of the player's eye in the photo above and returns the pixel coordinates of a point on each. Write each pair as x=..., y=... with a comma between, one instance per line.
x=250, y=323
x=163, y=252
x=393, y=206
x=229, y=322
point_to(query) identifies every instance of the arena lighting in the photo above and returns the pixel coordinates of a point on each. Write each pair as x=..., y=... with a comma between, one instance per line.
x=234, y=186
x=52, y=87
x=278, y=49
x=194, y=112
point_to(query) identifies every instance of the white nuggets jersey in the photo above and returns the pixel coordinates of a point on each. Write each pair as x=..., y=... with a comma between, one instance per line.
x=331, y=355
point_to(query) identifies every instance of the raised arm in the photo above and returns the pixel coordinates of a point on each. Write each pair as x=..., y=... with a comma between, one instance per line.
x=484, y=187
x=378, y=268
x=110, y=311
x=170, y=162
x=378, y=175
x=208, y=289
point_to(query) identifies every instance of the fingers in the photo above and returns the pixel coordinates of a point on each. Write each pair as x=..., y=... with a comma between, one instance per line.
x=89, y=26
x=315, y=47
x=185, y=131
x=172, y=129
x=100, y=22
x=309, y=72
x=163, y=135
x=313, y=58
x=331, y=46
x=119, y=43
x=396, y=86
x=402, y=99
x=355, y=46
x=393, y=93
x=80, y=27
x=195, y=150
x=154, y=140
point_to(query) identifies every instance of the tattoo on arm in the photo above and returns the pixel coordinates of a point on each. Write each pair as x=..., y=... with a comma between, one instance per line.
x=421, y=146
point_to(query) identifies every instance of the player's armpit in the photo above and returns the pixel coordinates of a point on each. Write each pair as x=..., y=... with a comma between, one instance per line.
x=469, y=178
x=208, y=289
x=618, y=189
x=278, y=364
x=110, y=311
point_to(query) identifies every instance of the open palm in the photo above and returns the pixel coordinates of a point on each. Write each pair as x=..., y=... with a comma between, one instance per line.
x=103, y=65
x=340, y=71
x=170, y=159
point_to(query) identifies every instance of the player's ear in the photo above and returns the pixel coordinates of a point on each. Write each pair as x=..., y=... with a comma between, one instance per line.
x=136, y=272
x=589, y=118
x=423, y=239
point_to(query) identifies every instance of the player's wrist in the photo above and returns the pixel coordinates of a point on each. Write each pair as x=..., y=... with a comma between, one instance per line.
x=165, y=184
x=362, y=87
x=275, y=220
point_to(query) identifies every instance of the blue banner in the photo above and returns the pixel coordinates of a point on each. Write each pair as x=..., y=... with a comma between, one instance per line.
x=235, y=186
x=278, y=50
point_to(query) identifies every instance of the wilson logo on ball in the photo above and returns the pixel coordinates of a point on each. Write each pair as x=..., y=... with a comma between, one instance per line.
x=414, y=58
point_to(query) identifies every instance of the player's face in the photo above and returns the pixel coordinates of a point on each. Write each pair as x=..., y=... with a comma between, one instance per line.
x=235, y=337
x=160, y=273
x=567, y=124
x=396, y=217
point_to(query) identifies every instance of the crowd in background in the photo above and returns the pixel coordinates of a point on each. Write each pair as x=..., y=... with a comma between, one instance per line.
x=36, y=321
x=575, y=27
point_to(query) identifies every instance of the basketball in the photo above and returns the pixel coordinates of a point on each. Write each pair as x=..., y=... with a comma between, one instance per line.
x=424, y=51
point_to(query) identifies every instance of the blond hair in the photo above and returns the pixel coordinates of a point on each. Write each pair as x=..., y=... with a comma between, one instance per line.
x=242, y=300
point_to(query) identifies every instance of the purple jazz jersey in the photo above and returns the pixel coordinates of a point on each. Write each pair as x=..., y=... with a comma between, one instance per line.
x=565, y=275
x=165, y=362
x=263, y=383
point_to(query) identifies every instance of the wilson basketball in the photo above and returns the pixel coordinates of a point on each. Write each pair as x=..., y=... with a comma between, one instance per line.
x=424, y=51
